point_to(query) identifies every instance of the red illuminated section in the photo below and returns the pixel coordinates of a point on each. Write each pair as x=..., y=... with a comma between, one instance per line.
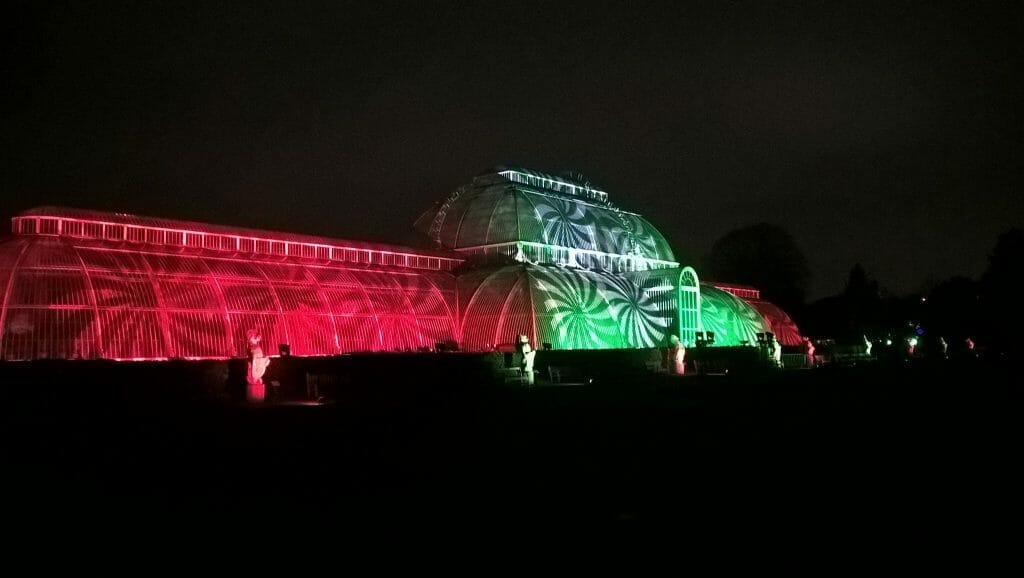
x=83, y=285
x=782, y=326
x=741, y=291
x=166, y=233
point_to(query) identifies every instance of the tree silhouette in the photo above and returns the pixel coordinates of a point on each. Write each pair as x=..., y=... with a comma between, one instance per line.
x=858, y=311
x=765, y=256
x=863, y=303
x=1000, y=287
x=1005, y=270
x=952, y=309
x=861, y=287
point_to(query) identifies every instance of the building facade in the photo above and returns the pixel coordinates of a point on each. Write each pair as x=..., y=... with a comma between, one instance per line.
x=514, y=252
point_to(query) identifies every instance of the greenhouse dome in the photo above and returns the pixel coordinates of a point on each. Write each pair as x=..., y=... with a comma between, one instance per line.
x=548, y=219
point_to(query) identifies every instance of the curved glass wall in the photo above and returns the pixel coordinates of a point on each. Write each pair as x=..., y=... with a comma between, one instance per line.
x=568, y=308
x=498, y=209
x=733, y=320
x=779, y=322
x=115, y=301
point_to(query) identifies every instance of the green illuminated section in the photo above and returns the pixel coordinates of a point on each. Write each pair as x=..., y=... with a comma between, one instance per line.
x=590, y=275
x=490, y=214
x=584, y=310
x=575, y=308
x=572, y=311
x=731, y=319
x=566, y=223
x=578, y=225
x=637, y=315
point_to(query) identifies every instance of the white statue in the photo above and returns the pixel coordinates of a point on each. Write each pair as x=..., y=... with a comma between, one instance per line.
x=258, y=363
x=809, y=350
x=527, y=354
x=677, y=355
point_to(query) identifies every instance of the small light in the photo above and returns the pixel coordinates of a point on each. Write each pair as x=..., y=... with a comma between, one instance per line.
x=888, y=341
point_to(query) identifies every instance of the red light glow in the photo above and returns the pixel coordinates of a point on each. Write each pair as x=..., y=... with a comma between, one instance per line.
x=84, y=297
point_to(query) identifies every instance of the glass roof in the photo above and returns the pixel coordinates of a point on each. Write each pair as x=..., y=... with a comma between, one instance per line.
x=495, y=210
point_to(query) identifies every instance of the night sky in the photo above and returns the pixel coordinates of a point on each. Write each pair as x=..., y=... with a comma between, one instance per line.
x=886, y=135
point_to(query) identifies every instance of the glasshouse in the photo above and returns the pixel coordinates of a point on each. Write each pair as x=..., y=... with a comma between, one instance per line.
x=514, y=252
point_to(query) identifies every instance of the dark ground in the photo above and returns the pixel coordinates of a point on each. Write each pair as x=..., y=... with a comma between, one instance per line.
x=898, y=456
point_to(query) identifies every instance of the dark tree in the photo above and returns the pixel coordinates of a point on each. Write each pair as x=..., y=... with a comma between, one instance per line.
x=1005, y=271
x=857, y=312
x=861, y=287
x=863, y=304
x=765, y=256
x=952, y=311
x=828, y=317
x=1000, y=290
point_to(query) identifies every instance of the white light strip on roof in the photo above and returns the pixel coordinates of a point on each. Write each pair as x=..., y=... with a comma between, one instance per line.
x=171, y=237
x=659, y=263
x=555, y=185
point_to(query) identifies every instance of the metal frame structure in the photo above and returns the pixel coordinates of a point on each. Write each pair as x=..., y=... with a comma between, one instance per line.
x=519, y=253
x=78, y=286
